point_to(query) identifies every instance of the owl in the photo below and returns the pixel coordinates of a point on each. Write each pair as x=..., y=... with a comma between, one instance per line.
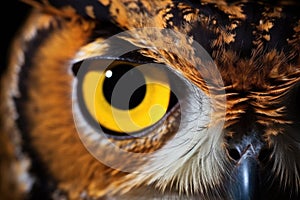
x=162, y=99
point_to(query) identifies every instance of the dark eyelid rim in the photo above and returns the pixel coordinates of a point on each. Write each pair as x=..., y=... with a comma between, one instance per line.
x=126, y=58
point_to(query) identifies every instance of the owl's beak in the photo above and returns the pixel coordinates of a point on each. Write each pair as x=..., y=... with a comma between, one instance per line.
x=246, y=176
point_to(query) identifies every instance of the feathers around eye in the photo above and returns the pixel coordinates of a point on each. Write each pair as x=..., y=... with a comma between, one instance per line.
x=247, y=94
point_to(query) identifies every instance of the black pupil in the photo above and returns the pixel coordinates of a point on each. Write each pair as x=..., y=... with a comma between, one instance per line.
x=124, y=87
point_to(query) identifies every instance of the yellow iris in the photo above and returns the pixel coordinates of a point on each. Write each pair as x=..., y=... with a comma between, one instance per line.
x=150, y=110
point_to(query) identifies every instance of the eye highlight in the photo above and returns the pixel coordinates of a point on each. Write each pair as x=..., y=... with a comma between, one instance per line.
x=125, y=97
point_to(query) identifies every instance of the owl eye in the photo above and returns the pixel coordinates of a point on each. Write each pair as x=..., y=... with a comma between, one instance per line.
x=122, y=97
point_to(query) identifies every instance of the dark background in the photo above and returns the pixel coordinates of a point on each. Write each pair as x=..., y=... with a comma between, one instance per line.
x=12, y=16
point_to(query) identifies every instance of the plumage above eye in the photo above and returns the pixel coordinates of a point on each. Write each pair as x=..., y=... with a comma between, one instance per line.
x=124, y=97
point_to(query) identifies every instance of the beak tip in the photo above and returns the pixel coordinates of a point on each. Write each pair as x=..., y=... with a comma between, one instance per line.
x=245, y=177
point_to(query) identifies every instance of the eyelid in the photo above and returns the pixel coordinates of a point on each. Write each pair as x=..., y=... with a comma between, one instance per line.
x=133, y=58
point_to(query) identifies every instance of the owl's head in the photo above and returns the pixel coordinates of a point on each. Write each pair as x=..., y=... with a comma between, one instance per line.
x=154, y=100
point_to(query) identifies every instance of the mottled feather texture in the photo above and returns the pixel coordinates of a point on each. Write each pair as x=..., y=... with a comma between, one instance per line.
x=255, y=47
